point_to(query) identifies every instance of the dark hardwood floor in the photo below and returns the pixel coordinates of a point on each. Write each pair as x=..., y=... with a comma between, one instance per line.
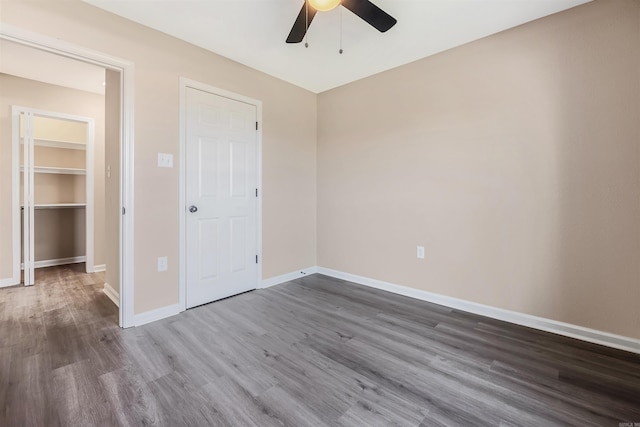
x=312, y=352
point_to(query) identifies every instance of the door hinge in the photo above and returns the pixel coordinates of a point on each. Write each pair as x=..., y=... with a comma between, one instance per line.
x=256, y=259
x=256, y=192
x=123, y=210
x=256, y=125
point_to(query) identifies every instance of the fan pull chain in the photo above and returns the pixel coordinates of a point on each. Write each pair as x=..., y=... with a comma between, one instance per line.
x=340, y=51
x=306, y=23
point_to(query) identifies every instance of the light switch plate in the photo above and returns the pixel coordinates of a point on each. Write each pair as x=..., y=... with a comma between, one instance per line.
x=165, y=160
x=163, y=263
x=420, y=252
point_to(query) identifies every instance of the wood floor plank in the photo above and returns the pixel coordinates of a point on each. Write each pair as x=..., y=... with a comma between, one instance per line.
x=130, y=399
x=180, y=355
x=149, y=360
x=311, y=352
x=236, y=406
x=290, y=410
x=84, y=398
x=175, y=391
x=34, y=382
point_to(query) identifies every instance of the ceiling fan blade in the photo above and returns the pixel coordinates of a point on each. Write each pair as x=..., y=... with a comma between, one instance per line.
x=299, y=28
x=370, y=13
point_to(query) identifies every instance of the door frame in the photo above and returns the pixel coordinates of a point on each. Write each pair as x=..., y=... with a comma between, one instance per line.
x=126, y=70
x=16, y=110
x=182, y=206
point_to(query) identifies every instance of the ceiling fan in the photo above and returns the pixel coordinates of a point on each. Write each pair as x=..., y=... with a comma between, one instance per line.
x=369, y=12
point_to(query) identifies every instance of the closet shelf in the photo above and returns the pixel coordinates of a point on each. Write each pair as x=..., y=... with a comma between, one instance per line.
x=58, y=144
x=57, y=206
x=61, y=171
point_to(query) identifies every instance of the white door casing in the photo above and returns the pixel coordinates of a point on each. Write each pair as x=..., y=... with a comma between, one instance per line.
x=221, y=211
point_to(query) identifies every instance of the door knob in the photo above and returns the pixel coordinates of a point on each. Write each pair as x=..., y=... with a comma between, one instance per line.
x=193, y=209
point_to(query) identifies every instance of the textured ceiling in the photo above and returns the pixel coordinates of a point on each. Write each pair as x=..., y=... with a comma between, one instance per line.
x=253, y=32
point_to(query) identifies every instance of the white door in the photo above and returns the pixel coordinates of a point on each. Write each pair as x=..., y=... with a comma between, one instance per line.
x=28, y=244
x=221, y=197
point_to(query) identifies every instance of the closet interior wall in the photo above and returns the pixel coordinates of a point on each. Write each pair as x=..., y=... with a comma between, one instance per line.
x=33, y=94
x=59, y=149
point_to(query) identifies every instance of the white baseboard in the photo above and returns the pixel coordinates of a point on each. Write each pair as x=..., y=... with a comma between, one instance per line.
x=99, y=268
x=157, y=314
x=548, y=325
x=57, y=261
x=272, y=281
x=172, y=310
x=9, y=282
x=112, y=294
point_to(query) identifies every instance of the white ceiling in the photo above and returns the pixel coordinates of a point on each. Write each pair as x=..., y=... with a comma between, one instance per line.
x=253, y=32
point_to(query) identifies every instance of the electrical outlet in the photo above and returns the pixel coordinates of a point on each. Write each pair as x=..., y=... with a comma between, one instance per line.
x=420, y=252
x=163, y=264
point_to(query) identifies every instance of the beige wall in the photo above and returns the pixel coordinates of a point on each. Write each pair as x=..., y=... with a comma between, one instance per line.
x=112, y=180
x=515, y=161
x=59, y=233
x=59, y=130
x=289, y=138
x=51, y=188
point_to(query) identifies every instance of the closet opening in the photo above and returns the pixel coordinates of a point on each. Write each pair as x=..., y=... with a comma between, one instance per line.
x=57, y=189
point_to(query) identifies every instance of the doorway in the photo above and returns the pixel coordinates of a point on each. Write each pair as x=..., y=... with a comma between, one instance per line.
x=220, y=194
x=123, y=234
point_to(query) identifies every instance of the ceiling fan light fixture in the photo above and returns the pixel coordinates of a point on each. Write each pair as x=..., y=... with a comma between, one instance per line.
x=365, y=9
x=324, y=5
